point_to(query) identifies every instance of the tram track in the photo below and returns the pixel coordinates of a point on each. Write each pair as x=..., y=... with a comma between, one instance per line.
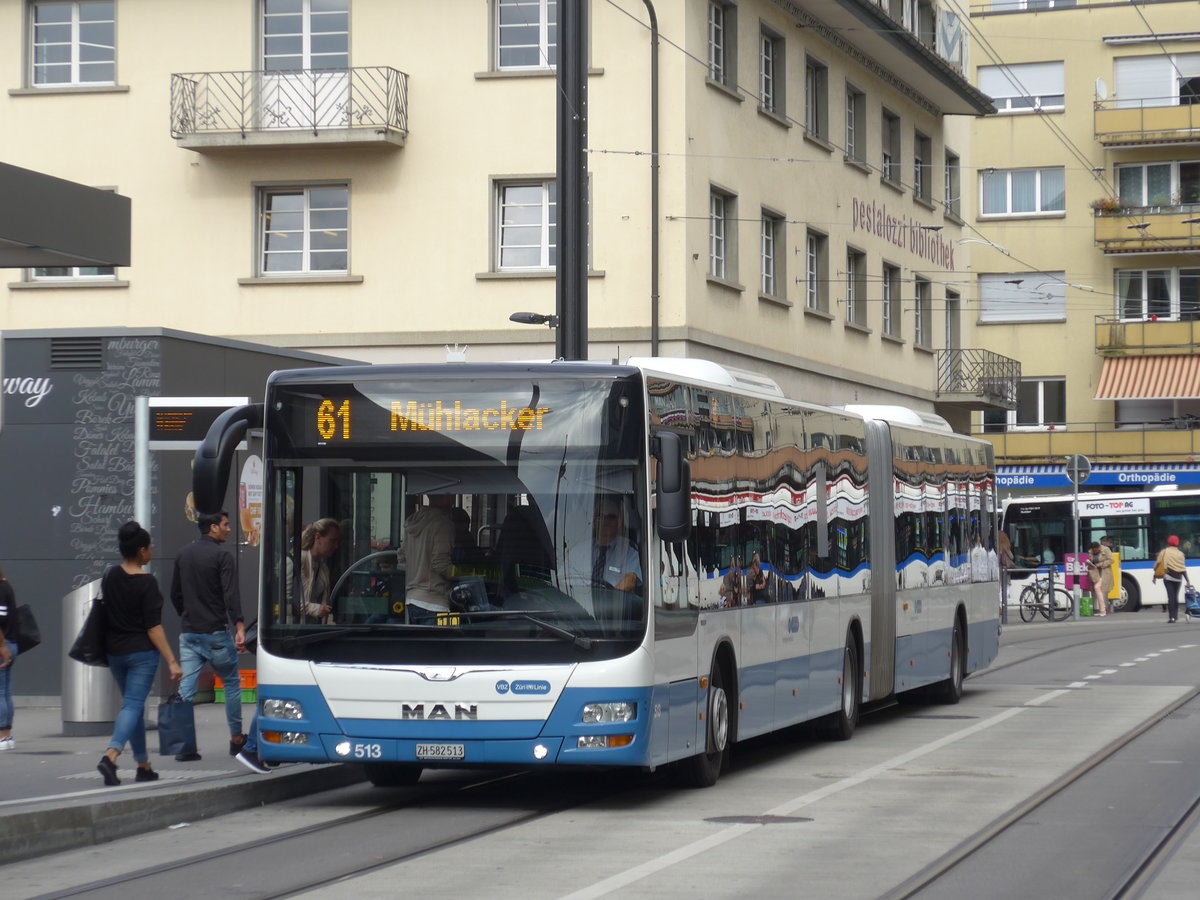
x=359, y=830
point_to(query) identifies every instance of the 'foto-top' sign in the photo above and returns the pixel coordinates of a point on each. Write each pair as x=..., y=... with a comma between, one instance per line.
x=180, y=423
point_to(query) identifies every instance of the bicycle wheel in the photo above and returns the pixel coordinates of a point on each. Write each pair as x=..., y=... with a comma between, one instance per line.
x=1060, y=605
x=1028, y=604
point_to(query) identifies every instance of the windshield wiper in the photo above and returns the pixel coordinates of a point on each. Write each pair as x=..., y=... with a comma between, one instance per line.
x=315, y=637
x=532, y=615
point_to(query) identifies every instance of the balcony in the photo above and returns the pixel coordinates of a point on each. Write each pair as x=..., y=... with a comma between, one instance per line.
x=220, y=111
x=1150, y=442
x=1147, y=337
x=1139, y=123
x=977, y=379
x=1147, y=229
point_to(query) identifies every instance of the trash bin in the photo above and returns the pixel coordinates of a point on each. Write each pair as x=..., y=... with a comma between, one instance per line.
x=90, y=699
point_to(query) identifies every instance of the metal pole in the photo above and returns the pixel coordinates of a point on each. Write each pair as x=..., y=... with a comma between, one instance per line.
x=1075, y=550
x=654, y=238
x=141, y=462
x=572, y=233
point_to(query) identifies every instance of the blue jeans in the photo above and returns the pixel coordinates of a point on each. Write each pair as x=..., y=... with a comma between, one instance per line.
x=134, y=674
x=6, y=704
x=219, y=651
x=251, y=745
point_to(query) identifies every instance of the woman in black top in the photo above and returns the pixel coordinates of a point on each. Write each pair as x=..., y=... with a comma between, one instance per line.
x=134, y=639
x=8, y=653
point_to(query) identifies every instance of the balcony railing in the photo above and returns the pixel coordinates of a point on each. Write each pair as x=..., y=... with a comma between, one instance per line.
x=1155, y=336
x=220, y=110
x=1148, y=229
x=1127, y=123
x=1160, y=440
x=977, y=378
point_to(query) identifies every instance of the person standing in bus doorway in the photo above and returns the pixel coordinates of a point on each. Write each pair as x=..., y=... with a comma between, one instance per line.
x=1173, y=565
x=204, y=591
x=1100, y=562
x=428, y=556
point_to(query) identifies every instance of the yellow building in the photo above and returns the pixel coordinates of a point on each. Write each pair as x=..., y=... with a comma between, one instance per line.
x=1085, y=202
x=374, y=179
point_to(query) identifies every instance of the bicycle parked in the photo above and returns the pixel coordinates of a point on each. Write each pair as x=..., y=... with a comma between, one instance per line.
x=1044, y=596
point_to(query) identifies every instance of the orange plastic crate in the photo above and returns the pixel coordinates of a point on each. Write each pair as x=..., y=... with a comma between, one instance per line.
x=248, y=678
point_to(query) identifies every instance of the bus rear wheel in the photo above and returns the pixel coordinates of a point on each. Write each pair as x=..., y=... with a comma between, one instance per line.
x=703, y=769
x=950, y=690
x=392, y=774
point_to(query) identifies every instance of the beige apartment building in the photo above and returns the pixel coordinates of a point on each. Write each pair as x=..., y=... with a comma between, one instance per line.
x=374, y=179
x=1085, y=202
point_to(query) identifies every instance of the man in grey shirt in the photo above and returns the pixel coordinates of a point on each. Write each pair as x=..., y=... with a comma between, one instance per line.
x=204, y=591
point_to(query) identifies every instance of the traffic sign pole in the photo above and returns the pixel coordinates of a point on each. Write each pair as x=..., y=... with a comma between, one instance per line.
x=1078, y=467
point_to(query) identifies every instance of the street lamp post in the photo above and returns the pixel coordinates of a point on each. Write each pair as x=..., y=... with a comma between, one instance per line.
x=570, y=339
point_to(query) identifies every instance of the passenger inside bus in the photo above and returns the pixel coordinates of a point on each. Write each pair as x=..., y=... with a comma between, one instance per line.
x=427, y=556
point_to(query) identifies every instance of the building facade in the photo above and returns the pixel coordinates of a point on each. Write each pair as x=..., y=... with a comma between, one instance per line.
x=1086, y=209
x=375, y=179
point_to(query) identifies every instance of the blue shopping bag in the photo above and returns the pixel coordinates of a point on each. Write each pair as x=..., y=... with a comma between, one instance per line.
x=176, y=726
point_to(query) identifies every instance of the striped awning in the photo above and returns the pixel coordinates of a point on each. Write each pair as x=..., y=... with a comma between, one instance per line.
x=1150, y=378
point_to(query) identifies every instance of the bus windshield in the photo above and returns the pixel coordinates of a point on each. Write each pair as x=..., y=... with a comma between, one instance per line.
x=409, y=520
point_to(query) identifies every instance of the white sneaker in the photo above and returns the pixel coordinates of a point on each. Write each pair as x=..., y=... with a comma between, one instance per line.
x=6, y=743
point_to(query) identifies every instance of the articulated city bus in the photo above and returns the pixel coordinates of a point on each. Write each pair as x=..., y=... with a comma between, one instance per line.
x=779, y=563
x=1138, y=521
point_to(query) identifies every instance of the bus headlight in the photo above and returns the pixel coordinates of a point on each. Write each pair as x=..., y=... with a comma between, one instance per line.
x=603, y=741
x=604, y=713
x=282, y=709
x=284, y=737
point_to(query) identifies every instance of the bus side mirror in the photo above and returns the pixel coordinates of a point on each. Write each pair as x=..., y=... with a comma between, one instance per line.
x=673, y=488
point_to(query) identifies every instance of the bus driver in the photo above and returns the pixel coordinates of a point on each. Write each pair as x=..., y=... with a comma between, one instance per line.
x=613, y=559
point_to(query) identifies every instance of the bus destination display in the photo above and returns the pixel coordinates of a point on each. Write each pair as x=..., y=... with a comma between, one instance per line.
x=361, y=420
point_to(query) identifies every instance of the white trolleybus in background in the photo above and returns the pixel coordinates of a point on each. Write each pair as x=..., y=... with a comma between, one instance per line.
x=1139, y=523
x=775, y=563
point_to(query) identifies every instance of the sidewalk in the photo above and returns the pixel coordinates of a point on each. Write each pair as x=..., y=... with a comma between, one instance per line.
x=52, y=798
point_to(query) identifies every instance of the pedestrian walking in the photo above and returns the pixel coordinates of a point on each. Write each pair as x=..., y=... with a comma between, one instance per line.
x=8, y=655
x=1171, y=566
x=1100, y=561
x=204, y=591
x=134, y=639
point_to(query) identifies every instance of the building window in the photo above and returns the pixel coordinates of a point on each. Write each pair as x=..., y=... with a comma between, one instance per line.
x=1019, y=192
x=891, y=300
x=74, y=43
x=526, y=225
x=953, y=320
x=816, y=293
x=526, y=34
x=305, y=230
x=1018, y=297
x=770, y=72
x=999, y=5
x=1149, y=294
x=953, y=185
x=856, y=122
x=771, y=242
x=1024, y=86
x=1159, y=184
x=856, y=287
x=722, y=235
x=816, y=99
x=1041, y=404
x=890, y=142
x=923, y=314
x=303, y=35
x=73, y=273
x=922, y=166
x=722, y=43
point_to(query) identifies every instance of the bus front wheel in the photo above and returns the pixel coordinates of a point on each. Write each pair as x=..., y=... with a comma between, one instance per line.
x=703, y=769
x=950, y=690
x=842, y=723
x=1130, y=599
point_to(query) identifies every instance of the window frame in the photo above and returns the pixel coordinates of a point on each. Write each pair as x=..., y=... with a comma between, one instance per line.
x=987, y=174
x=263, y=193
x=1176, y=195
x=1174, y=311
x=922, y=166
x=922, y=313
x=816, y=98
x=76, y=44
x=892, y=297
x=772, y=238
x=772, y=71
x=1002, y=294
x=547, y=47
x=1019, y=103
x=994, y=423
x=952, y=184
x=547, y=224
x=722, y=43
x=889, y=147
x=816, y=267
x=74, y=277
x=856, y=123
x=856, y=287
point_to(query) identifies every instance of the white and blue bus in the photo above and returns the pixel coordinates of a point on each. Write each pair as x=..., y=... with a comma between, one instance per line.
x=1139, y=522
x=870, y=528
